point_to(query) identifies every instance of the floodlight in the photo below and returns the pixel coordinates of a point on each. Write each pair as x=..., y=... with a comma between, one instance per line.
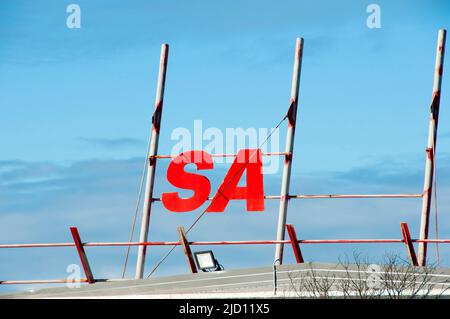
x=206, y=262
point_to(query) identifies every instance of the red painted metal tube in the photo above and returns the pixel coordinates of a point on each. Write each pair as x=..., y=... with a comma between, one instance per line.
x=235, y=242
x=45, y=281
x=330, y=196
x=37, y=245
x=218, y=155
x=357, y=196
x=294, y=242
x=409, y=244
x=154, y=243
x=158, y=199
x=82, y=255
x=350, y=241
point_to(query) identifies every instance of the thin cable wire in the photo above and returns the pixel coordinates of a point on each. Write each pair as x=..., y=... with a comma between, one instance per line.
x=212, y=201
x=136, y=209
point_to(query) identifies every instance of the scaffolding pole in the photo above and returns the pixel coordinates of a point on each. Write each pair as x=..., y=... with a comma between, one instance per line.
x=292, y=115
x=431, y=148
x=151, y=169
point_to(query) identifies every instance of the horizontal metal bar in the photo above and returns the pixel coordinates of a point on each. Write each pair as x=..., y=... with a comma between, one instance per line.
x=349, y=241
x=45, y=281
x=177, y=243
x=218, y=155
x=154, y=243
x=235, y=242
x=158, y=199
x=432, y=241
x=359, y=196
x=54, y=281
x=50, y=245
x=240, y=242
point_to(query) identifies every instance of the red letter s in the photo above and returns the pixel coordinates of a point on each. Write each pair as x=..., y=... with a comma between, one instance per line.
x=181, y=179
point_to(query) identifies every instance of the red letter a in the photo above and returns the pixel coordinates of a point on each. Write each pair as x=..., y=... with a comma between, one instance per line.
x=253, y=192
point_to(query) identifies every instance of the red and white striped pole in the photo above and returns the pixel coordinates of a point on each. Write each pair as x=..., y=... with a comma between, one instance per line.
x=156, y=123
x=431, y=148
x=292, y=115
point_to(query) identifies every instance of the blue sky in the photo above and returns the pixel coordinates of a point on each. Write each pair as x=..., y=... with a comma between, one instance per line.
x=76, y=106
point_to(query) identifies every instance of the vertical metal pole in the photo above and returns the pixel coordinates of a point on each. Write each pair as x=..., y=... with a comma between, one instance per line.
x=292, y=115
x=431, y=148
x=156, y=123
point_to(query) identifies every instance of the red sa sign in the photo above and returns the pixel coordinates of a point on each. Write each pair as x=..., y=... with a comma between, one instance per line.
x=247, y=160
